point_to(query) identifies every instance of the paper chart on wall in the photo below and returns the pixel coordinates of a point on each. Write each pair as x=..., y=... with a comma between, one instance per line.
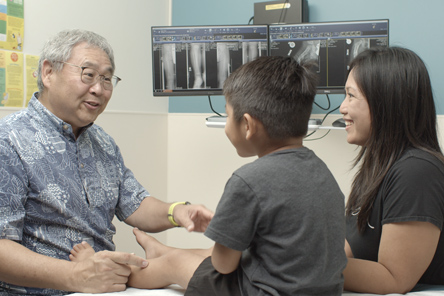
x=11, y=79
x=32, y=63
x=12, y=25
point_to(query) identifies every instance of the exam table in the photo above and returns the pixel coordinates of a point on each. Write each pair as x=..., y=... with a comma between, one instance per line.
x=175, y=290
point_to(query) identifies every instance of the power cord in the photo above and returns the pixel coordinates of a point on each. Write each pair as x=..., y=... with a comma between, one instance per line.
x=283, y=12
x=329, y=104
x=322, y=121
x=323, y=136
x=211, y=106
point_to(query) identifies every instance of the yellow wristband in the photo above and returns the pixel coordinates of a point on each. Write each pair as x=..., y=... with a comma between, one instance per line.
x=171, y=209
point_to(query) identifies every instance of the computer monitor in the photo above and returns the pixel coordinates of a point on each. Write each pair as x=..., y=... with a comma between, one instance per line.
x=329, y=45
x=196, y=60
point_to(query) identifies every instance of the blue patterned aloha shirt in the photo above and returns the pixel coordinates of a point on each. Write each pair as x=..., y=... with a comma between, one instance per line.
x=56, y=191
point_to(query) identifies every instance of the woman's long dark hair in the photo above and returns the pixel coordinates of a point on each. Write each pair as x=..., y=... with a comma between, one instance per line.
x=396, y=84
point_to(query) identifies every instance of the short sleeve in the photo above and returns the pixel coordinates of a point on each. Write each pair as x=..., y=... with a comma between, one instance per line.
x=414, y=191
x=235, y=221
x=131, y=192
x=13, y=193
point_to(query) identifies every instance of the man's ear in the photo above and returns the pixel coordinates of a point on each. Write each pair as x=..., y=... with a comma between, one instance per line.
x=251, y=126
x=47, y=71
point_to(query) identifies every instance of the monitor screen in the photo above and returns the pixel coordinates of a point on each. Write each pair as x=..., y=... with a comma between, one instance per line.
x=189, y=61
x=330, y=46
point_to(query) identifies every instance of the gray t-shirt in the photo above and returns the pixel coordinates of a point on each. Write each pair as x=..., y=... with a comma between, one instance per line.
x=285, y=211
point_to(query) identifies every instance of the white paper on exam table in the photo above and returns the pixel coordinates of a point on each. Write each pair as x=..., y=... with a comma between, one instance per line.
x=175, y=290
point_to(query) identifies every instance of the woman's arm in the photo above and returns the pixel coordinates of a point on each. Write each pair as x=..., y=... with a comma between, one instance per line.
x=406, y=250
x=348, y=250
x=225, y=260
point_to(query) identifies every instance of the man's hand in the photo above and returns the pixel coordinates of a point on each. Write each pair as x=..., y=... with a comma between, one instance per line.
x=193, y=217
x=104, y=272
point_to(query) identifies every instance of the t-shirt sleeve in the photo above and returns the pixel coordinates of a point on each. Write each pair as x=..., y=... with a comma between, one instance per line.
x=414, y=191
x=235, y=221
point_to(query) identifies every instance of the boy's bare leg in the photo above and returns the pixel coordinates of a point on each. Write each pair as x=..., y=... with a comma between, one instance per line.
x=176, y=267
x=153, y=248
x=167, y=265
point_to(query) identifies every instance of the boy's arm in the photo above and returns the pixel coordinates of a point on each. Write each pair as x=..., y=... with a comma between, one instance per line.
x=225, y=260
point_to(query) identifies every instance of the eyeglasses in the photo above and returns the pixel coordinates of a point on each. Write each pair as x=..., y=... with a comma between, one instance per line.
x=91, y=76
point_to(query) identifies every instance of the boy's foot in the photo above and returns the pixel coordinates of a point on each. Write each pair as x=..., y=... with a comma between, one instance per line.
x=81, y=251
x=153, y=248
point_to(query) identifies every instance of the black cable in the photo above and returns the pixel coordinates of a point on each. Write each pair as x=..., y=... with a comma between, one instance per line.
x=322, y=121
x=251, y=18
x=306, y=136
x=329, y=112
x=329, y=104
x=328, y=131
x=211, y=106
x=284, y=7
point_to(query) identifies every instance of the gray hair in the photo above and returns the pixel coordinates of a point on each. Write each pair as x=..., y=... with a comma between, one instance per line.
x=59, y=48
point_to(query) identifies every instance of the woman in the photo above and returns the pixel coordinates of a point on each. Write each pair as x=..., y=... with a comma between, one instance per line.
x=395, y=211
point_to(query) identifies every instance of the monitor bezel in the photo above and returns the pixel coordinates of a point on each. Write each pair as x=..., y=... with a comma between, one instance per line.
x=217, y=91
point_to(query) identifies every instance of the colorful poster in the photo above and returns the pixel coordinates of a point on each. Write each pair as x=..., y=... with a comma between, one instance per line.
x=3, y=96
x=11, y=79
x=12, y=25
x=32, y=63
x=3, y=17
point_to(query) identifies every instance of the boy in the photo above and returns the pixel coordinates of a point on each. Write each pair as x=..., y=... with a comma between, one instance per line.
x=279, y=226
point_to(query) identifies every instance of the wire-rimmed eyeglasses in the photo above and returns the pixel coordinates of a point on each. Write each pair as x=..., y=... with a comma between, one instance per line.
x=91, y=76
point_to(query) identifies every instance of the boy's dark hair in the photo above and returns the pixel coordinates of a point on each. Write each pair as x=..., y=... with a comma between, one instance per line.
x=277, y=91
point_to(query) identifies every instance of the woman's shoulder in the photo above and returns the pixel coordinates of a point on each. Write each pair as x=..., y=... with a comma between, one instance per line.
x=419, y=158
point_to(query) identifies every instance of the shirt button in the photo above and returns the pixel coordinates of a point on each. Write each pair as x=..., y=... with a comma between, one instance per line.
x=82, y=166
x=65, y=127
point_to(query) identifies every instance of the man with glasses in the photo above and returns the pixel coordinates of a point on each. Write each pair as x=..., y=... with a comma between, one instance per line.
x=62, y=179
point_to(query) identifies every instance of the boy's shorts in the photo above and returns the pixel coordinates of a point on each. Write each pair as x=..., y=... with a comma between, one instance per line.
x=207, y=281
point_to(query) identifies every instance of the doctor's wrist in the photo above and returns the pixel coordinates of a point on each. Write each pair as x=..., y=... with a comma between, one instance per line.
x=171, y=212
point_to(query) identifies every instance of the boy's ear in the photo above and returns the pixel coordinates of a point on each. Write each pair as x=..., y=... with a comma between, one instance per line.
x=251, y=126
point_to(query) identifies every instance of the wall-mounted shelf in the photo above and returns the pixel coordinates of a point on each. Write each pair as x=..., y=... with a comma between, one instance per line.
x=313, y=124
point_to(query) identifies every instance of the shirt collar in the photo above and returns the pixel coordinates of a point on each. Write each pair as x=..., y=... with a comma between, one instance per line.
x=35, y=106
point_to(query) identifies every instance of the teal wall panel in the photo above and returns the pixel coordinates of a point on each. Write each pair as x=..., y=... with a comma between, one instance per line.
x=417, y=25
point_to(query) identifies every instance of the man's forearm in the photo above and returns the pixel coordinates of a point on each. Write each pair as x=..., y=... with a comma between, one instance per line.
x=151, y=216
x=23, y=267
